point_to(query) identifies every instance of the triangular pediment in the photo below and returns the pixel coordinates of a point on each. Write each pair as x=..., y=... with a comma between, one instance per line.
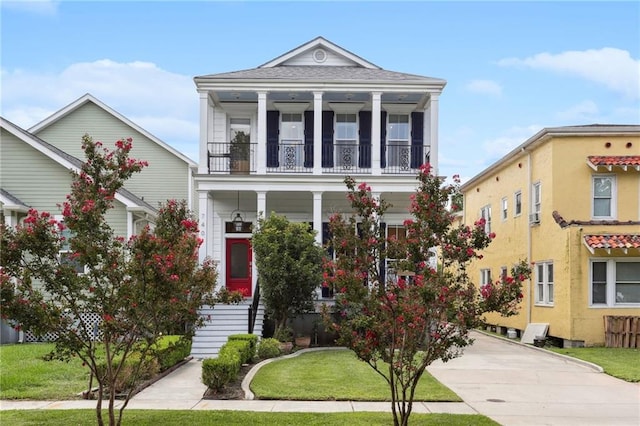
x=319, y=52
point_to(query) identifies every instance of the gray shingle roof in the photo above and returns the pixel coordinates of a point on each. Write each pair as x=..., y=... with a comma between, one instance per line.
x=9, y=196
x=322, y=73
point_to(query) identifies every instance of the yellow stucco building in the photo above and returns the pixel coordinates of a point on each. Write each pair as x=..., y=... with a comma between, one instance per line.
x=568, y=201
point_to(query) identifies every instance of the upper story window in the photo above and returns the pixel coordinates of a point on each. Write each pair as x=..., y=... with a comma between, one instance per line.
x=291, y=140
x=398, y=148
x=604, y=197
x=346, y=140
x=536, y=203
x=517, y=203
x=544, y=283
x=615, y=282
x=485, y=213
x=504, y=209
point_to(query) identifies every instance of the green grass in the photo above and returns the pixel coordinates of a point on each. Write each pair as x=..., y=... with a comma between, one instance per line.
x=623, y=363
x=231, y=418
x=25, y=375
x=334, y=375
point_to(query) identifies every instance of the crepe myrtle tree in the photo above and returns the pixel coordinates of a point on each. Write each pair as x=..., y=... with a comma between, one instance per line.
x=139, y=288
x=289, y=264
x=400, y=326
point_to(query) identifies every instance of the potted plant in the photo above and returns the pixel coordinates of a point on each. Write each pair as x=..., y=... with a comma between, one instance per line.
x=303, y=341
x=240, y=152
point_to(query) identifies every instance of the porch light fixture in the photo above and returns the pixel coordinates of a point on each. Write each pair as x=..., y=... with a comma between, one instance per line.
x=237, y=220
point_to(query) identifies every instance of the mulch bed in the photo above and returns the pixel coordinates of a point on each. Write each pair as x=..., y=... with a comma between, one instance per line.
x=232, y=390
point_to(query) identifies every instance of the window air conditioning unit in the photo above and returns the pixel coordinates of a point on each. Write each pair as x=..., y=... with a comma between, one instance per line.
x=534, y=218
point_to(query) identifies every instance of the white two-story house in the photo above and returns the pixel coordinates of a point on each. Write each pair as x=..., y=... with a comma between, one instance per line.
x=281, y=138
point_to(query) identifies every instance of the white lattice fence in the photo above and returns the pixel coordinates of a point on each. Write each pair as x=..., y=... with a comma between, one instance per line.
x=90, y=321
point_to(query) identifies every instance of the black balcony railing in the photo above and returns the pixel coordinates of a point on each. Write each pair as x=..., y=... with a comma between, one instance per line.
x=339, y=158
x=228, y=158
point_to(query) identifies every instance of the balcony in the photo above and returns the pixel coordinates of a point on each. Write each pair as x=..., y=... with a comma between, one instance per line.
x=297, y=158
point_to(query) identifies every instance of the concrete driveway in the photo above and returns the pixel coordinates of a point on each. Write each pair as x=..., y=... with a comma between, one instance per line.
x=518, y=384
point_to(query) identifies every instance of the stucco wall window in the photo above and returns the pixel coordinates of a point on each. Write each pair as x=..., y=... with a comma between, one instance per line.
x=517, y=203
x=615, y=282
x=485, y=276
x=485, y=213
x=604, y=197
x=544, y=283
x=504, y=208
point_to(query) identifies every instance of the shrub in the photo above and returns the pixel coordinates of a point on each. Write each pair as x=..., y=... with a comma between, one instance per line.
x=170, y=350
x=241, y=347
x=127, y=377
x=251, y=338
x=269, y=348
x=217, y=372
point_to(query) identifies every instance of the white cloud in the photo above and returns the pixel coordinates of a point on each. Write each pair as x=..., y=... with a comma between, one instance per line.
x=500, y=146
x=484, y=87
x=39, y=7
x=614, y=68
x=579, y=113
x=161, y=102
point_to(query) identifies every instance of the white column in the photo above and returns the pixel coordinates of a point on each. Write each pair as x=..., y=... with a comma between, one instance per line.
x=262, y=204
x=10, y=219
x=130, y=228
x=376, y=170
x=203, y=223
x=317, y=215
x=431, y=129
x=261, y=156
x=317, y=133
x=203, y=166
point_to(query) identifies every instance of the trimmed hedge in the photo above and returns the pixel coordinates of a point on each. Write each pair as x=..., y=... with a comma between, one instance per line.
x=269, y=348
x=167, y=352
x=251, y=338
x=218, y=372
x=171, y=350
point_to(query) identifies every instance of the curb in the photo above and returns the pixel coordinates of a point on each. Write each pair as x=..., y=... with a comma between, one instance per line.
x=584, y=363
x=246, y=382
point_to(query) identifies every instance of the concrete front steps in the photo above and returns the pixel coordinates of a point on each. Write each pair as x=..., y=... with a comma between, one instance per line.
x=221, y=322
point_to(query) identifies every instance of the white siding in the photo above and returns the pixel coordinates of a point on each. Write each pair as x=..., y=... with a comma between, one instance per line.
x=307, y=59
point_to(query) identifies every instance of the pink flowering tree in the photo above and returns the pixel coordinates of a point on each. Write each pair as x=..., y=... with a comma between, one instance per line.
x=399, y=326
x=140, y=288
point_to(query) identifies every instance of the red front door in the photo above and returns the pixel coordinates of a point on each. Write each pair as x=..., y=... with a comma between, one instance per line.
x=238, y=272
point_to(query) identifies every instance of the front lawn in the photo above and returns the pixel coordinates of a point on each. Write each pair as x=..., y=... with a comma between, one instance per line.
x=24, y=374
x=623, y=363
x=334, y=375
x=231, y=418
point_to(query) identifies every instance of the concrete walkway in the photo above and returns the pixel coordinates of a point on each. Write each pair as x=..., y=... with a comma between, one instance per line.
x=511, y=383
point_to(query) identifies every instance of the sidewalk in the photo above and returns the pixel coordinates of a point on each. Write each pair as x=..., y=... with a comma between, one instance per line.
x=511, y=383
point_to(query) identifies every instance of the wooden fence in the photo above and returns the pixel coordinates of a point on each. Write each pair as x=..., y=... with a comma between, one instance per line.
x=621, y=332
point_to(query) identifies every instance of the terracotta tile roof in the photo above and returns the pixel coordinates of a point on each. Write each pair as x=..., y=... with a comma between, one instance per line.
x=609, y=161
x=610, y=242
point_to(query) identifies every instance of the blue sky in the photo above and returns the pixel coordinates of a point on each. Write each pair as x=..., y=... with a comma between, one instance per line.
x=512, y=67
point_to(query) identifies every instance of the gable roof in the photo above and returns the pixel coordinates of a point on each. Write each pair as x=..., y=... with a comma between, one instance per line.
x=277, y=70
x=317, y=43
x=131, y=201
x=11, y=202
x=90, y=98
